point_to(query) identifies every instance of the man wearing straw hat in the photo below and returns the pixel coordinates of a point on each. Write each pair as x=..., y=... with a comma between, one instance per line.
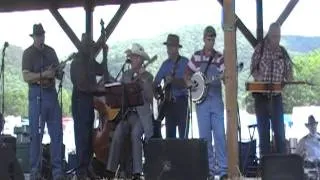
x=138, y=120
x=309, y=146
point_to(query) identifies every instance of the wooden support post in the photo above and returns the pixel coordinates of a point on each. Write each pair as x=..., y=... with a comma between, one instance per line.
x=259, y=20
x=244, y=30
x=286, y=12
x=231, y=82
x=66, y=28
x=89, y=6
x=112, y=25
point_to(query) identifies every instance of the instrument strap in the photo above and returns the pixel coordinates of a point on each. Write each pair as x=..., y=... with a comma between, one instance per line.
x=175, y=66
x=209, y=62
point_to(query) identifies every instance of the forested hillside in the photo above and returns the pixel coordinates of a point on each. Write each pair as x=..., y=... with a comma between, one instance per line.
x=302, y=49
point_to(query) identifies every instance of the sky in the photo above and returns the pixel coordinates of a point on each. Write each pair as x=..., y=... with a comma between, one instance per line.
x=148, y=20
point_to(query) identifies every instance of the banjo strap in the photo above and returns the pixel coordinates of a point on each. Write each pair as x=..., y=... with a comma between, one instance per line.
x=208, y=64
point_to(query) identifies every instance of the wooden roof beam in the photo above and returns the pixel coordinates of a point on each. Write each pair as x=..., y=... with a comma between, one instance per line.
x=28, y=5
x=286, y=12
x=244, y=30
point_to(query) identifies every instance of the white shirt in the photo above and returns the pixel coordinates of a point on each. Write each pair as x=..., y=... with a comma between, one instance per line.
x=309, y=147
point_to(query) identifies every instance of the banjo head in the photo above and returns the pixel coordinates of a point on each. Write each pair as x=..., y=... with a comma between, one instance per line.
x=198, y=93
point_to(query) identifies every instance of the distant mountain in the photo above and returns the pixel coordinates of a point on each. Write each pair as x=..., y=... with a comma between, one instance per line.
x=301, y=44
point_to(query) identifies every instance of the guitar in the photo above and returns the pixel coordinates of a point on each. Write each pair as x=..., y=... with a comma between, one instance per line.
x=165, y=94
x=48, y=82
x=266, y=87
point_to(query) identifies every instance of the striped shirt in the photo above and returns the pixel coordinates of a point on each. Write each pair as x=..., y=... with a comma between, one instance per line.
x=199, y=58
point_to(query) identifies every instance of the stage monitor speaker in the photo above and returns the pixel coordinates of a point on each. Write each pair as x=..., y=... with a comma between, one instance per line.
x=176, y=159
x=282, y=167
x=9, y=167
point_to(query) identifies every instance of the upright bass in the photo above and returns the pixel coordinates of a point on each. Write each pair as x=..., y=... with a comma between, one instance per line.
x=106, y=114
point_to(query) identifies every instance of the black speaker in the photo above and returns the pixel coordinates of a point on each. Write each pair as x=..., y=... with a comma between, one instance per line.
x=9, y=166
x=282, y=167
x=176, y=159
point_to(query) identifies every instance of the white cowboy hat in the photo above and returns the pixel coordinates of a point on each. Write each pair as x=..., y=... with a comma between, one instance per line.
x=139, y=50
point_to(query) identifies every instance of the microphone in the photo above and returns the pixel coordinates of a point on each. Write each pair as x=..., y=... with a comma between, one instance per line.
x=6, y=44
x=240, y=66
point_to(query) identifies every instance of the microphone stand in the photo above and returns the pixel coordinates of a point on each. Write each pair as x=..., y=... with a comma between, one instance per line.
x=2, y=76
x=39, y=99
x=122, y=69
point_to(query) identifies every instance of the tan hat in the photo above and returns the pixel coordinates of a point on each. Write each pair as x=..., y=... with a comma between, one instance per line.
x=311, y=121
x=138, y=50
x=173, y=40
x=37, y=30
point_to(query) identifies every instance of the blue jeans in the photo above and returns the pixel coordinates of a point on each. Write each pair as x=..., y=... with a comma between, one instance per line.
x=270, y=109
x=177, y=116
x=51, y=114
x=83, y=115
x=210, y=114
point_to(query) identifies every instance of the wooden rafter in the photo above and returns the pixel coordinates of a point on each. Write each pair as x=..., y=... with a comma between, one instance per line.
x=244, y=30
x=286, y=12
x=27, y=5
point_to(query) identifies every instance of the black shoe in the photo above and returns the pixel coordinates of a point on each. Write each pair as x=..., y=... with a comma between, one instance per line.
x=224, y=177
x=137, y=176
x=109, y=174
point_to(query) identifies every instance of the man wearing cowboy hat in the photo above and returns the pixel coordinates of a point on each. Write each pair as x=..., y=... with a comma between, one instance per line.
x=138, y=120
x=171, y=72
x=309, y=146
x=210, y=112
x=37, y=71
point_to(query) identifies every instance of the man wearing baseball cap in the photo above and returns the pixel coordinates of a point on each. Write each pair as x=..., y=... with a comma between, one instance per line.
x=210, y=112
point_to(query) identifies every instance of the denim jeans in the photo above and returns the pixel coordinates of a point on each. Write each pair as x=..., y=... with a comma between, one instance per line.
x=270, y=108
x=50, y=114
x=210, y=114
x=83, y=115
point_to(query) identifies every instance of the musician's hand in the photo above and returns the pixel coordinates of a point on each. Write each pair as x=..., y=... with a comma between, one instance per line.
x=100, y=88
x=191, y=85
x=141, y=70
x=49, y=73
x=168, y=79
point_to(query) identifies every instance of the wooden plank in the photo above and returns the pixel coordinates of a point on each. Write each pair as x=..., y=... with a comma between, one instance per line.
x=244, y=30
x=231, y=87
x=111, y=26
x=66, y=28
x=26, y=5
x=286, y=12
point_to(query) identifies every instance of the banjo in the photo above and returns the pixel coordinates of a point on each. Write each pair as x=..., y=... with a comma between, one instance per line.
x=200, y=83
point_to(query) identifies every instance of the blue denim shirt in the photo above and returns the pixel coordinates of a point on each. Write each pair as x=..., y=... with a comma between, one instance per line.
x=166, y=69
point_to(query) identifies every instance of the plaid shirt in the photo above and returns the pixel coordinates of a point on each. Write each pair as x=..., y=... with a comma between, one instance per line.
x=273, y=65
